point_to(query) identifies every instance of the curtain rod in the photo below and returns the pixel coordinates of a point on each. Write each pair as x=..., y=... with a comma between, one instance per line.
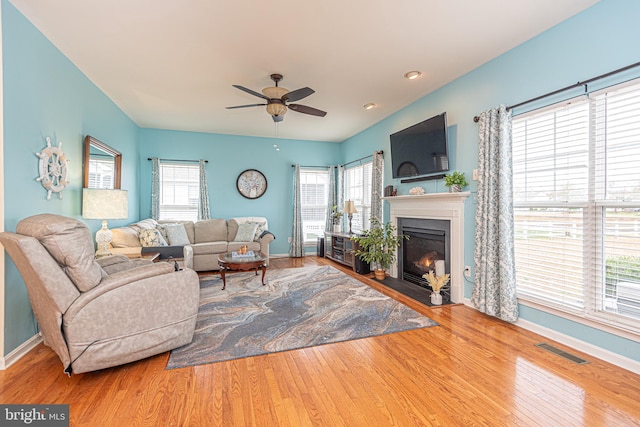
x=362, y=158
x=575, y=85
x=307, y=166
x=178, y=160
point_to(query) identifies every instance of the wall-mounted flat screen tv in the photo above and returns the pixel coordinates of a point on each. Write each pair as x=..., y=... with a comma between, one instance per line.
x=421, y=149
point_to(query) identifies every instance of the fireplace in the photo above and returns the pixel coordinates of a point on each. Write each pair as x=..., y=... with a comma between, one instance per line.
x=429, y=241
x=448, y=207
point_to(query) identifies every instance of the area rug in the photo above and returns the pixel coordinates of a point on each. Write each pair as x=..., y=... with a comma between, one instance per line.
x=298, y=307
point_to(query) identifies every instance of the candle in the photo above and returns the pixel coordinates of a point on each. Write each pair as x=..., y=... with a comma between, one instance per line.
x=440, y=267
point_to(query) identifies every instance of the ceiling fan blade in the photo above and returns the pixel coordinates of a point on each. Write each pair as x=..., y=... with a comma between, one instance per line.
x=307, y=110
x=252, y=92
x=297, y=94
x=277, y=118
x=244, y=106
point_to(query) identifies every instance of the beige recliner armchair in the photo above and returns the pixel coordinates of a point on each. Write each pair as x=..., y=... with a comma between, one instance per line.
x=99, y=313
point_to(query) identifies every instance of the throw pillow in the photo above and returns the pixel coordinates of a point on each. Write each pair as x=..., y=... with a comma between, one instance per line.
x=246, y=232
x=261, y=227
x=151, y=237
x=177, y=235
x=162, y=228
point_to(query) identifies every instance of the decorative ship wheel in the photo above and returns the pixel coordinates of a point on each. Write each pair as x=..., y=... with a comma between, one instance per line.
x=53, y=169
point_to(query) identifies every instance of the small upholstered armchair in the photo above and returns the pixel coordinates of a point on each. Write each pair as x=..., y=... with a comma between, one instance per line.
x=100, y=313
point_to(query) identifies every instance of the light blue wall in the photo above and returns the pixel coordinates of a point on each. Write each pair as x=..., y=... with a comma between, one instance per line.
x=228, y=156
x=601, y=39
x=46, y=95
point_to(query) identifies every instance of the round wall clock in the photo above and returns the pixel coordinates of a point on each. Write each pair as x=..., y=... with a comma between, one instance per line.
x=251, y=184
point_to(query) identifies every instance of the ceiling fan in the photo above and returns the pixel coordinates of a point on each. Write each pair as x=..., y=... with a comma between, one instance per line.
x=278, y=99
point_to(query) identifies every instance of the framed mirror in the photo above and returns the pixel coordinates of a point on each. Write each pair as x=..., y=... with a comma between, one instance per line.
x=102, y=165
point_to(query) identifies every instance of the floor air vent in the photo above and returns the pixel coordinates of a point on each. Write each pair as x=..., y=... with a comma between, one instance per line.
x=555, y=350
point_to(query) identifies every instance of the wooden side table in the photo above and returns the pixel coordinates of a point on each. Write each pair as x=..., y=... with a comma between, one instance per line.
x=228, y=262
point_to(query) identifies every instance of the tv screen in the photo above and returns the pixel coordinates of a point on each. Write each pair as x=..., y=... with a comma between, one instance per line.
x=421, y=149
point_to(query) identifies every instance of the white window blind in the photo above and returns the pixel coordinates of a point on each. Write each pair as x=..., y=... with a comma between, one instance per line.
x=101, y=173
x=314, y=193
x=358, y=188
x=179, y=191
x=577, y=206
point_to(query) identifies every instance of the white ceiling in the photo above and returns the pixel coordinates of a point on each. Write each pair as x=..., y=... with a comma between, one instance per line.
x=171, y=64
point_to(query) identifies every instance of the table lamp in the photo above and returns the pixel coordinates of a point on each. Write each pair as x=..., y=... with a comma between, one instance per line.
x=349, y=209
x=104, y=204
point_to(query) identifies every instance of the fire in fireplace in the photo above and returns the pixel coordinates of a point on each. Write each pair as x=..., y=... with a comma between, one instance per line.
x=428, y=242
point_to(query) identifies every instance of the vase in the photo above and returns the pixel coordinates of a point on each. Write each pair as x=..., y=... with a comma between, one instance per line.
x=379, y=273
x=436, y=298
x=455, y=188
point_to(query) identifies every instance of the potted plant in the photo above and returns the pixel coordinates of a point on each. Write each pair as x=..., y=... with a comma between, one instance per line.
x=455, y=181
x=436, y=283
x=377, y=246
x=336, y=216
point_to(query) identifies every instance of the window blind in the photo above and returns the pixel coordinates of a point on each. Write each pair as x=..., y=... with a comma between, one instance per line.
x=577, y=206
x=314, y=193
x=358, y=188
x=179, y=191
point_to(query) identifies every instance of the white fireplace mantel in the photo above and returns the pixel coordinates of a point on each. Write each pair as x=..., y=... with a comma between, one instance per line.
x=444, y=206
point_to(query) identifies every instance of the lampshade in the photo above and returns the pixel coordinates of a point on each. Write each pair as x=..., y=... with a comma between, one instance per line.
x=104, y=204
x=349, y=207
x=276, y=109
x=274, y=92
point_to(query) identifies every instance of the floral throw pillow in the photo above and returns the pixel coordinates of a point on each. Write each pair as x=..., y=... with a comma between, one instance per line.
x=151, y=237
x=261, y=227
x=246, y=232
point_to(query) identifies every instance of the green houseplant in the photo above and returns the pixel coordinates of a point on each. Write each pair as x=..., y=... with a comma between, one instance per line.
x=377, y=246
x=455, y=181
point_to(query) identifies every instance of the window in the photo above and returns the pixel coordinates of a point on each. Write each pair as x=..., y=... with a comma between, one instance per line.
x=357, y=182
x=314, y=193
x=101, y=173
x=179, y=191
x=577, y=206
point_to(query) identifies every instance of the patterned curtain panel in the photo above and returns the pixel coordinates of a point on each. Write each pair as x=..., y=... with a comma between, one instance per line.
x=203, y=202
x=494, y=292
x=297, y=239
x=340, y=192
x=155, y=188
x=332, y=199
x=376, y=185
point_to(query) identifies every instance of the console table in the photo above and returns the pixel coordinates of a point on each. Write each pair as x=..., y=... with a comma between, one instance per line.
x=339, y=247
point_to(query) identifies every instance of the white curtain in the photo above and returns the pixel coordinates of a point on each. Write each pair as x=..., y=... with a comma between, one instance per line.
x=376, y=186
x=155, y=188
x=297, y=238
x=203, y=202
x=332, y=199
x=494, y=292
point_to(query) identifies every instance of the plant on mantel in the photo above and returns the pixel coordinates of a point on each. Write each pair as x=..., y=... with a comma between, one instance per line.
x=455, y=181
x=377, y=246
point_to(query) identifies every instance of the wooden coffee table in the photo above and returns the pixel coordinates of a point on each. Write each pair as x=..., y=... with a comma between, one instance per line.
x=228, y=262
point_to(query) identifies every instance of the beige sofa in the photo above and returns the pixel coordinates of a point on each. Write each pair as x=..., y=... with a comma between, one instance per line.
x=206, y=239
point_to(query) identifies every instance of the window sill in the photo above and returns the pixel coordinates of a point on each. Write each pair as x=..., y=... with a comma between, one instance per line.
x=590, y=322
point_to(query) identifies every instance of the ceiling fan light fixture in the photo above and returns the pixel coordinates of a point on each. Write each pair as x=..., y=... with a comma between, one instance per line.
x=276, y=109
x=274, y=92
x=412, y=75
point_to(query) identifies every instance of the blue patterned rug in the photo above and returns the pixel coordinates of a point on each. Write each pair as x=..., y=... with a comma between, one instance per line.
x=297, y=308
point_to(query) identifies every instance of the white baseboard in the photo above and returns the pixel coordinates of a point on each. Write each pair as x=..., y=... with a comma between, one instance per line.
x=585, y=347
x=17, y=354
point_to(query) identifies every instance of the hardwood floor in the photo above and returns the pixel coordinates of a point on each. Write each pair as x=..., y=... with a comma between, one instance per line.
x=470, y=370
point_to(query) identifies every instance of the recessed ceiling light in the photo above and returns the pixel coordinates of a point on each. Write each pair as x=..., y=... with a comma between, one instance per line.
x=411, y=75
x=369, y=106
